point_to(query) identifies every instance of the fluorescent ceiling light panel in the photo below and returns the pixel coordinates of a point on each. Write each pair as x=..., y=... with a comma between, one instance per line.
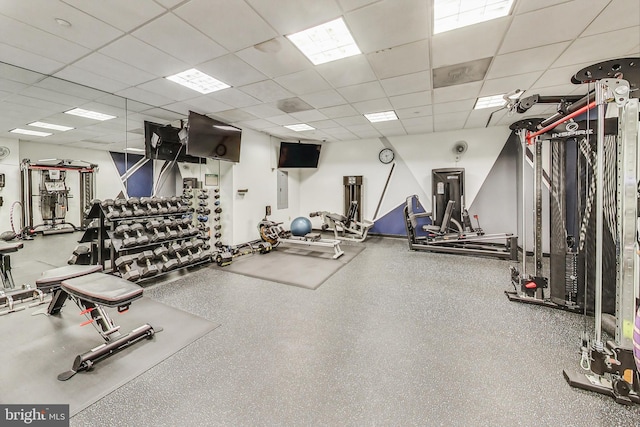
x=325, y=43
x=30, y=132
x=383, y=116
x=452, y=14
x=490, y=101
x=299, y=127
x=88, y=114
x=50, y=126
x=198, y=81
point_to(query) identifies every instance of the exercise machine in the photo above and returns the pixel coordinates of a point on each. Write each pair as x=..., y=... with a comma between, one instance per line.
x=53, y=194
x=273, y=233
x=226, y=254
x=452, y=236
x=345, y=227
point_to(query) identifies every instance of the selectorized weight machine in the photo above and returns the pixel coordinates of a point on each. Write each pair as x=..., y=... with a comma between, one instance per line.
x=345, y=227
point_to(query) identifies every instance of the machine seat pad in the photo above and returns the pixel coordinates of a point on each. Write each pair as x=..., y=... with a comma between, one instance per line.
x=337, y=217
x=103, y=289
x=5, y=248
x=57, y=275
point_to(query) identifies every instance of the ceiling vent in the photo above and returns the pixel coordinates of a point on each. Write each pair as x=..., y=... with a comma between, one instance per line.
x=293, y=105
x=458, y=74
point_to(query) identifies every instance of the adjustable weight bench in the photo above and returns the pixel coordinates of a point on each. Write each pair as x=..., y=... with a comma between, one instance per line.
x=5, y=262
x=93, y=292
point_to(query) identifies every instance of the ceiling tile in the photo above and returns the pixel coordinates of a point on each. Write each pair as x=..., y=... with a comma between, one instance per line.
x=348, y=5
x=352, y=120
x=224, y=27
x=122, y=14
x=263, y=110
x=29, y=60
x=131, y=50
x=457, y=92
x=479, y=118
x=362, y=92
x=169, y=3
x=522, y=36
x=426, y=121
x=508, y=84
x=323, y=124
x=373, y=106
x=89, y=78
x=364, y=131
x=283, y=119
x=454, y=107
x=257, y=124
x=424, y=127
x=449, y=121
x=309, y=116
x=618, y=14
x=36, y=41
x=231, y=70
x=144, y=96
x=170, y=89
x=85, y=30
x=559, y=76
x=275, y=57
x=266, y=91
x=291, y=16
x=468, y=43
x=113, y=69
x=524, y=6
x=415, y=82
x=347, y=71
x=339, y=111
x=340, y=133
x=236, y=115
x=326, y=98
x=400, y=60
x=179, y=39
x=524, y=61
x=411, y=99
x=413, y=112
x=302, y=82
x=234, y=97
x=614, y=44
x=389, y=23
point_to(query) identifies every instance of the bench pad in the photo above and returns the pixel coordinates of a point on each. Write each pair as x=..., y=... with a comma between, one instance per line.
x=103, y=289
x=57, y=275
x=5, y=248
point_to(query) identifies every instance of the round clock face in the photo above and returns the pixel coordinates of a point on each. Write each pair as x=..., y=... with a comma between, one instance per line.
x=386, y=155
x=221, y=150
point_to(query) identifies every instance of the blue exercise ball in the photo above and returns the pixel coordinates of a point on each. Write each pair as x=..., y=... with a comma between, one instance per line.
x=301, y=226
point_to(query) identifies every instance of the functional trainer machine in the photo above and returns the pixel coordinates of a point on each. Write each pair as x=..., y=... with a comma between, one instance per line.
x=273, y=233
x=54, y=194
x=453, y=237
x=345, y=227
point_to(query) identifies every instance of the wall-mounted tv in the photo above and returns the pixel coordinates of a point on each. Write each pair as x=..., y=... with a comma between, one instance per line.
x=162, y=142
x=207, y=137
x=298, y=155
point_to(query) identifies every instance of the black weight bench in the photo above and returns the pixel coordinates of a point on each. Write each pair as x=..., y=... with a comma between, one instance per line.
x=94, y=292
x=5, y=262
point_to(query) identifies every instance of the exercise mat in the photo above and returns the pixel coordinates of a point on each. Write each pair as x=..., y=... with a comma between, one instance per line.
x=295, y=266
x=36, y=348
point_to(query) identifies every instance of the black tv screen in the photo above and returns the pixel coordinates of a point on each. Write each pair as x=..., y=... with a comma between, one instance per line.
x=162, y=142
x=297, y=155
x=210, y=138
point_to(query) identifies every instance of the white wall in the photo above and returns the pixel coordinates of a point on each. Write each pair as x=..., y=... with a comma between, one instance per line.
x=416, y=156
x=10, y=167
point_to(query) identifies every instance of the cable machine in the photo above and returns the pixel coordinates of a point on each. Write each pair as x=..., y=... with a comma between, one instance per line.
x=353, y=196
x=53, y=194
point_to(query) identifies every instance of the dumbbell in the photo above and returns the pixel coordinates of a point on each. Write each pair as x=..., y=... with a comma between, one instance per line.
x=179, y=204
x=187, y=194
x=154, y=227
x=108, y=204
x=81, y=255
x=175, y=251
x=203, y=254
x=141, y=239
x=188, y=248
x=203, y=227
x=162, y=210
x=123, y=231
x=203, y=211
x=134, y=204
x=203, y=195
x=168, y=224
x=218, y=210
x=217, y=235
x=161, y=253
x=148, y=269
x=122, y=204
x=125, y=263
x=203, y=218
x=146, y=203
x=191, y=230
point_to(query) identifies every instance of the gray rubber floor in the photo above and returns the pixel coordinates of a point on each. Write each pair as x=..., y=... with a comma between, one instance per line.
x=393, y=338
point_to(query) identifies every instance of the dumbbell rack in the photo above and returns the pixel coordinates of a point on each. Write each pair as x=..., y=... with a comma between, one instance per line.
x=116, y=248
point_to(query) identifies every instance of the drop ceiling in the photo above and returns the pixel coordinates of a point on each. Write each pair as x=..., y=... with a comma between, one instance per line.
x=115, y=55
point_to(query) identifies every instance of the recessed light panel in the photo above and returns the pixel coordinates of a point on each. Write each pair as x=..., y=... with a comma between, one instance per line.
x=198, y=81
x=490, y=101
x=50, y=126
x=383, y=116
x=30, y=132
x=88, y=114
x=452, y=14
x=327, y=42
x=300, y=127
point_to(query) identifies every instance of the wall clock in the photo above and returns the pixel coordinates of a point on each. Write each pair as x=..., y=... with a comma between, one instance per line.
x=386, y=155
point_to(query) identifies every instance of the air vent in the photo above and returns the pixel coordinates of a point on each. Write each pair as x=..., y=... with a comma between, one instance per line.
x=458, y=74
x=293, y=105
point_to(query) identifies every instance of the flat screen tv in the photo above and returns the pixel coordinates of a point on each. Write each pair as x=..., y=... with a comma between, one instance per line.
x=162, y=142
x=207, y=137
x=298, y=155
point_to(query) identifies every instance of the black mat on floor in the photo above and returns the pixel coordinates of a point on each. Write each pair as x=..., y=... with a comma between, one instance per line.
x=295, y=266
x=36, y=348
